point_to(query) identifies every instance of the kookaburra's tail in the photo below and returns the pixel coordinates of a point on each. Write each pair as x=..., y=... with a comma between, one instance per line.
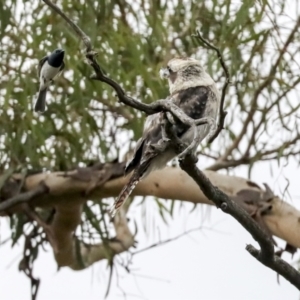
x=125, y=193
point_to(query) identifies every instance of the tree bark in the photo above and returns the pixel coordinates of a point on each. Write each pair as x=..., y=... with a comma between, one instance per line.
x=66, y=193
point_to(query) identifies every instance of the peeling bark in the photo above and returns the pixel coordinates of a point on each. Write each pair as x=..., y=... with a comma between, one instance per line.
x=67, y=192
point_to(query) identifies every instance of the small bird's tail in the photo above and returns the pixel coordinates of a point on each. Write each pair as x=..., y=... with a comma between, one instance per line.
x=40, y=104
x=125, y=193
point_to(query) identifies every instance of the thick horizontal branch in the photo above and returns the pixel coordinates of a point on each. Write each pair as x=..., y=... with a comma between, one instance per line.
x=23, y=197
x=170, y=183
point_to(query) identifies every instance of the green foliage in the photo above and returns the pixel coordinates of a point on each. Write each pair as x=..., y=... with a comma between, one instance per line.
x=84, y=120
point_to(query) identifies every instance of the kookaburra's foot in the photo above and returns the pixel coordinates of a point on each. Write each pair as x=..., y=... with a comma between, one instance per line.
x=167, y=118
x=161, y=145
x=193, y=157
x=164, y=138
x=170, y=118
x=212, y=125
x=91, y=53
x=187, y=150
x=190, y=148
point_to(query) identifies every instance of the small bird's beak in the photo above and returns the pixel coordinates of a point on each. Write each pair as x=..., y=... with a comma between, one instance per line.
x=164, y=73
x=60, y=52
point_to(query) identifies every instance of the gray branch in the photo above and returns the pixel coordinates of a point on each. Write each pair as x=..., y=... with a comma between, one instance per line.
x=23, y=197
x=266, y=254
x=222, y=112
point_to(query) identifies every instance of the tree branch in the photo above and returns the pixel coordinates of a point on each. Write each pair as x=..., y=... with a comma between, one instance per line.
x=222, y=113
x=278, y=265
x=79, y=255
x=266, y=255
x=69, y=188
x=160, y=243
x=80, y=33
x=23, y=197
x=269, y=79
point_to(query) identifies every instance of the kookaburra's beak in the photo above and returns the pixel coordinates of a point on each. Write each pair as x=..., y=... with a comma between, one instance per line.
x=164, y=73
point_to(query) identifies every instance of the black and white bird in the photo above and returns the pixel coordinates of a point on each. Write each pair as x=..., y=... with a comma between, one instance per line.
x=48, y=68
x=195, y=92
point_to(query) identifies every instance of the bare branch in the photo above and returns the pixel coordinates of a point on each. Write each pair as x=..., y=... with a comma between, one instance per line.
x=278, y=265
x=222, y=113
x=160, y=243
x=266, y=255
x=23, y=197
x=86, y=40
x=160, y=105
x=269, y=79
x=222, y=201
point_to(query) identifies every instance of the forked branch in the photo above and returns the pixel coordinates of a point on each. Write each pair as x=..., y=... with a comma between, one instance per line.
x=222, y=112
x=160, y=105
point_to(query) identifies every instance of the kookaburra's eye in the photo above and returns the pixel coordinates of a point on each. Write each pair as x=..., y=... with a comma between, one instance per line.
x=169, y=69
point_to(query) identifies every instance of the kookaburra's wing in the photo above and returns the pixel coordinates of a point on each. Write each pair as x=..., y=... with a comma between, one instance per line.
x=193, y=102
x=151, y=134
x=143, y=156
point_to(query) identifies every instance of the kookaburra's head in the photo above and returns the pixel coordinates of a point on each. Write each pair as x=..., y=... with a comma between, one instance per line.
x=183, y=73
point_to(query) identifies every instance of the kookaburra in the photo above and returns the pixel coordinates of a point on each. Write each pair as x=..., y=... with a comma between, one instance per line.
x=195, y=92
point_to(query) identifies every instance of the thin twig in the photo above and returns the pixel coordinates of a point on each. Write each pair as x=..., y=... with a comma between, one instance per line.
x=267, y=82
x=86, y=40
x=160, y=105
x=23, y=197
x=167, y=240
x=278, y=265
x=222, y=113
